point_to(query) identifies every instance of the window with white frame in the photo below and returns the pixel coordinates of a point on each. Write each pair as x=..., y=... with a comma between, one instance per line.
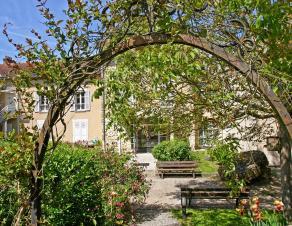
x=81, y=101
x=43, y=103
x=207, y=134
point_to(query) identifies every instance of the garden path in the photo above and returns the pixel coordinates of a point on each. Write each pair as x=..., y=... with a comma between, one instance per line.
x=164, y=194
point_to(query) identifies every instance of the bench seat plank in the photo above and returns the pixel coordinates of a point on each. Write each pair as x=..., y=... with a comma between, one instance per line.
x=176, y=167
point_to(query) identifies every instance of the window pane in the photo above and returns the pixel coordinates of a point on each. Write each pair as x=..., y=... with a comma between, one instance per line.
x=80, y=101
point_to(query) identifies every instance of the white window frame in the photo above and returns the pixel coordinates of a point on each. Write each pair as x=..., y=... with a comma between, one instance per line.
x=38, y=105
x=86, y=98
x=80, y=97
x=45, y=105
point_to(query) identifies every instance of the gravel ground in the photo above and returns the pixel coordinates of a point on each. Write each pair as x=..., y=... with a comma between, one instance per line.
x=164, y=195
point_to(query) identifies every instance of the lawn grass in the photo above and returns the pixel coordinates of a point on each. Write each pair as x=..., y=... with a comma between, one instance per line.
x=211, y=217
x=225, y=217
x=204, y=165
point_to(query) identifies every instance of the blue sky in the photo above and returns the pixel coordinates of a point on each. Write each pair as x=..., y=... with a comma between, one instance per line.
x=24, y=16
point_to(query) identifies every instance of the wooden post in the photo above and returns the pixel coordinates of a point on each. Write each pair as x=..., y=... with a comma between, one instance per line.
x=286, y=172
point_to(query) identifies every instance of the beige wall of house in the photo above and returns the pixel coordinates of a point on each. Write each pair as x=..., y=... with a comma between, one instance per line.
x=82, y=124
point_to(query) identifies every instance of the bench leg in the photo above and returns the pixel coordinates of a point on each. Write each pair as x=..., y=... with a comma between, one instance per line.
x=194, y=175
x=184, y=212
x=237, y=202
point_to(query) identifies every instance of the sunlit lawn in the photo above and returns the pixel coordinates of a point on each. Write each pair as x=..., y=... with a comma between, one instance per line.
x=211, y=217
x=204, y=165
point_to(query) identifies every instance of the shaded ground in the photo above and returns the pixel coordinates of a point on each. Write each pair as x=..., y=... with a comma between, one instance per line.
x=164, y=195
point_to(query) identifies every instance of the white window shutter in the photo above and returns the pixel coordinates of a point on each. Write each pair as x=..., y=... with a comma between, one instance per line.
x=72, y=103
x=84, y=130
x=76, y=130
x=40, y=124
x=80, y=130
x=37, y=102
x=87, y=100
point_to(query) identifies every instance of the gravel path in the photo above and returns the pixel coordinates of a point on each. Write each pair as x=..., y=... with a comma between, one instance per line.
x=163, y=196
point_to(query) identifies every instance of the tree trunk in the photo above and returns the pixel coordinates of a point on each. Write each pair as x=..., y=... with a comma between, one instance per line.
x=286, y=168
x=37, y=179
x=36, y=171
x=40, y=151
x=35, y=197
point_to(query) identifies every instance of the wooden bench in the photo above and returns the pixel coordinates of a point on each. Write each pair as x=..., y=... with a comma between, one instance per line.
x=176, y=167
x=142, y=164
x=189, y=193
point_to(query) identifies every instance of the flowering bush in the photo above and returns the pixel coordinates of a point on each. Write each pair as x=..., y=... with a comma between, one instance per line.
x=95, y=186
x=81, y=186
x=259, y=217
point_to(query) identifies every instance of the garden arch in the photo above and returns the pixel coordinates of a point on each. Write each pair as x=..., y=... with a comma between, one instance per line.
x=136, y=41
x=129, y=41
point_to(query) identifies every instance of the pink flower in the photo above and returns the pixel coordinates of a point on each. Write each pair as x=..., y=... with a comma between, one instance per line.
x=120, y=216
x=119, y=204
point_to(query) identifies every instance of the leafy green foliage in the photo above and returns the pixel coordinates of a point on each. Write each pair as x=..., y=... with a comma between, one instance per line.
x=172, y=150
x=171, y=86
x=271, y=219
x=225, y=153
x=81, y=186
x=92, y=30
x=271, y=28
x=15, y=163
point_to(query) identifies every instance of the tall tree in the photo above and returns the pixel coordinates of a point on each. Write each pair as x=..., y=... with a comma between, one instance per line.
x=176, y=85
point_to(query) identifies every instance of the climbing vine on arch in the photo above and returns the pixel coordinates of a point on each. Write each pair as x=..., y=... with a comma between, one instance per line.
x=92, y=33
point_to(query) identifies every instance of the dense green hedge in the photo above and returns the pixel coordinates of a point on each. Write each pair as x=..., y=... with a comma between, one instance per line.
x=172, y=150
x=81, y=186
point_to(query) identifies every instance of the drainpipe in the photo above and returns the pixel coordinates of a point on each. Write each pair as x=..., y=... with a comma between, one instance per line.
x=103, y=113
x=5, y=128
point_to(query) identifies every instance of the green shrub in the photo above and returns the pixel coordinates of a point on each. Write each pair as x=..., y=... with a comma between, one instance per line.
x=225, y=153
x=81, y=187
x=172, y=150
x=15, y=164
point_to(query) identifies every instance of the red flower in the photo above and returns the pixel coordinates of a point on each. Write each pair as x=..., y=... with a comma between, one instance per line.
x=279, y=206
x=119, y=204
x=120, y=216
x=240, y=211
x=254, y=208
x=258, y=216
